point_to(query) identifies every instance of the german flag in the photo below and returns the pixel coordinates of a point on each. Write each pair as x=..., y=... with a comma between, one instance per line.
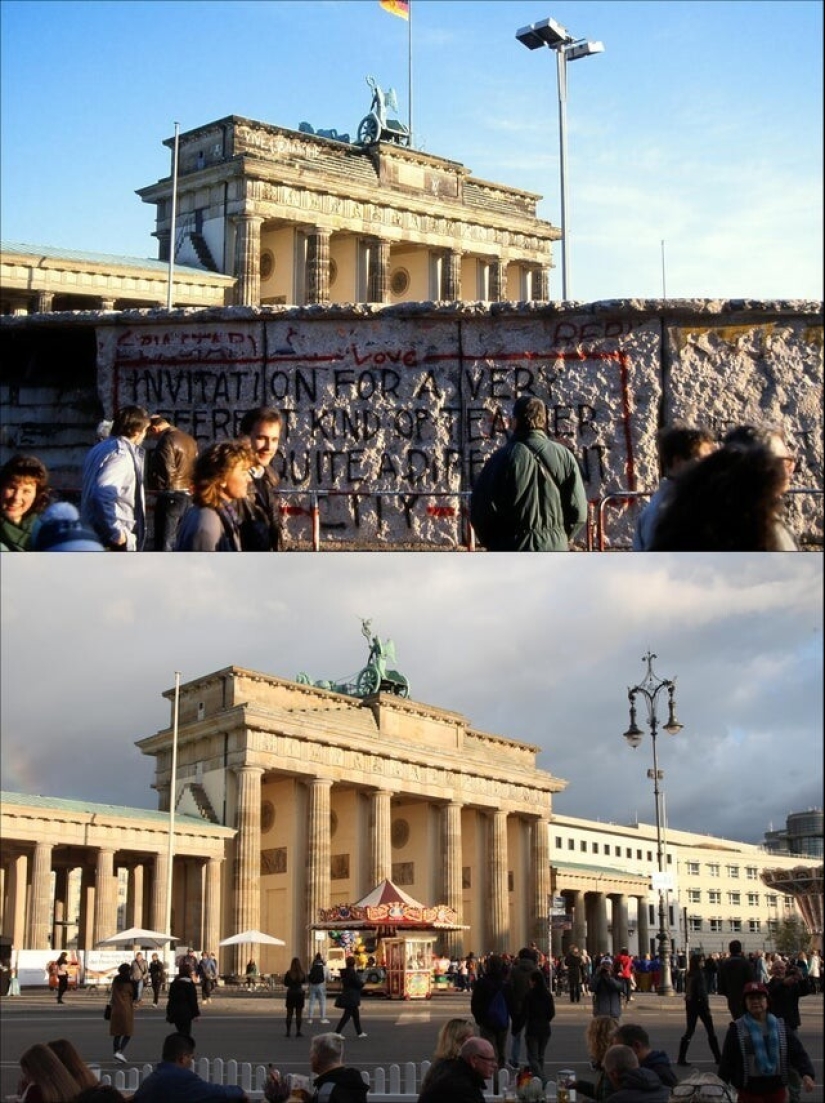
x=400, y=8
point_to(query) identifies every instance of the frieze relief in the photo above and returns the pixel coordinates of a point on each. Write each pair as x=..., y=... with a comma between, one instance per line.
x=431, y=778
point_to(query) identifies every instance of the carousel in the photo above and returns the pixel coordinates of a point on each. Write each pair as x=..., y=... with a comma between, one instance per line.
x=404, y=930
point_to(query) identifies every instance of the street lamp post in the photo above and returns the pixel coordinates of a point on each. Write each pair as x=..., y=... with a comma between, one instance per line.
x=649, y=690
x=547, y=32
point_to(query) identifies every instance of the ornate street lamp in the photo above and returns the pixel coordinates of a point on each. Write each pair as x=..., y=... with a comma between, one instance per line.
x=649, y=689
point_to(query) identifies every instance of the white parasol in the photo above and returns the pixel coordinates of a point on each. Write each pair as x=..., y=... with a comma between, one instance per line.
x=252, y=936
x=138, y=936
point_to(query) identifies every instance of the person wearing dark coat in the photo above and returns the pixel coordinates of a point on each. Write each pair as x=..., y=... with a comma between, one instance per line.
x=334, y=1083
x=635, y=1036
x=539, y=1011
x=759, y=1051
x=174, y=1081
x=697, y=1007
x=484, y=1002
x=785, y=988
x=632, y=1084
x=516, y=988
x=735, y=972
x=122, y=1001
x=462, y=1079
x=529, y=495
x=607, y=991
x=349, y=1001
x=182, y=1003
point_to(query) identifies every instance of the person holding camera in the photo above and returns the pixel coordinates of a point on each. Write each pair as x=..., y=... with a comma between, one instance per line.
x=607, y=990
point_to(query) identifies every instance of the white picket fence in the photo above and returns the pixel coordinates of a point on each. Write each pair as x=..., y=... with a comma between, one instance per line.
x=396, y=1084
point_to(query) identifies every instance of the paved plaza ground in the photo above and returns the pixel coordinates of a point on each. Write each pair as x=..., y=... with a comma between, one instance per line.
x=250, y=1027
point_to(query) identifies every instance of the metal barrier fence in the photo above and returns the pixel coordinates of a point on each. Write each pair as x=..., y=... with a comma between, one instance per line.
x=395, y=1084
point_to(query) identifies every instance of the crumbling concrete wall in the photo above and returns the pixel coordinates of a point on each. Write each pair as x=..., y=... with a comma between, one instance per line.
x=390, y=412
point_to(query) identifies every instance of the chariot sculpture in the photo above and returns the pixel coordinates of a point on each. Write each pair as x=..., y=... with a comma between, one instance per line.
x=375, y=677
x=376, y=127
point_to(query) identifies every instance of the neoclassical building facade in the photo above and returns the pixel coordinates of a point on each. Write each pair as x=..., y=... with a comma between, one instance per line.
x=298, y=219
x=330, y=794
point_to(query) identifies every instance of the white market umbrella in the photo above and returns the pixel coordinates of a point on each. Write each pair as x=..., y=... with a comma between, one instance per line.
x=252, y=936
x=138, y=936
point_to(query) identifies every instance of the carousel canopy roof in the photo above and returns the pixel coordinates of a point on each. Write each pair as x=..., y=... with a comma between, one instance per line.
x=387, y=906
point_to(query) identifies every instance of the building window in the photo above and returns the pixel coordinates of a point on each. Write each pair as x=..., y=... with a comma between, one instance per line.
x=754, y=926
x=752, y=873
x=693, y=869
x=771, y=899
x=583, y=846
x=753, y=899
x=694, y=923
x=733, y=871
x=558, y=842
x=716, y=926
x=714, y=896
x=628, y=853
x=571, y=844
x=713, y=869
x=694, y=896
x=789, y=903
x=736, y=925
x=607, y=848
x=594, y=847
x=650, y=855
x=733, y=898
x=403, y=873
x=638, y=855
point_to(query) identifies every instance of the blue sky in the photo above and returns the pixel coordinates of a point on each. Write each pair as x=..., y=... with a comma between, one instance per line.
x=700, y=126
x=536, y=648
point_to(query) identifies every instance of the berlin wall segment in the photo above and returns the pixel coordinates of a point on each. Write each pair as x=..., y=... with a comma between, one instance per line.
x=411, y=403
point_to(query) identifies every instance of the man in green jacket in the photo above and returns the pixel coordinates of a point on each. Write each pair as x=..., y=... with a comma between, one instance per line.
x=529, y=495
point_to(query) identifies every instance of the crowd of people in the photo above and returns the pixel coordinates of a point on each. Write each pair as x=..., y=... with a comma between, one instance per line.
x=529, y=496
x=512, y=1005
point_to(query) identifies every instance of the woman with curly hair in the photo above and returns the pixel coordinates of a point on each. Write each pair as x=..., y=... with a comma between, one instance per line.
x=222, y=475
x=24, y=494
x=599, y=1039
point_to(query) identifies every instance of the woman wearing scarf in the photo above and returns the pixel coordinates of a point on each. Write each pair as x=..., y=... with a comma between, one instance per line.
x=759, y=1051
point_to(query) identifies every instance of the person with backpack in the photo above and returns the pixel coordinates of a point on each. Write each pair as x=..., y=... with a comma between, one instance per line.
x=317, y=978
x=488, y=1006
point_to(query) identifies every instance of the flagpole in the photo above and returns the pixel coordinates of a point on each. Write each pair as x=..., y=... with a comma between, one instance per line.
x=170, y=856
x=172, y=230
x=410, y=72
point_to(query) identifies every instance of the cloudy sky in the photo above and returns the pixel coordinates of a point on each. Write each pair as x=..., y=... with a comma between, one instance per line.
x=536, y=648
x=700, y=125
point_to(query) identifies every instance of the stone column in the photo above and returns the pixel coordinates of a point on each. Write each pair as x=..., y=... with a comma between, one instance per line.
x=160, y=877
x=318, y=855
x=212, y=906
x=540, y=882
x=642, y=925
x=105, y=896
x=85, y=930
x=317, y=271
x=498, y=272
x=380, y=852
x=246, y=867
x=45, y=300
x=597, y=924
x=619, y=901
x=378, y=271
x=578, y=934
x=134, y=898
x=248, y=262
x=61, y=895
x=453, y=859
x=451, y=277
x=499, y=900
x=40, y=911
x=14, y=919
